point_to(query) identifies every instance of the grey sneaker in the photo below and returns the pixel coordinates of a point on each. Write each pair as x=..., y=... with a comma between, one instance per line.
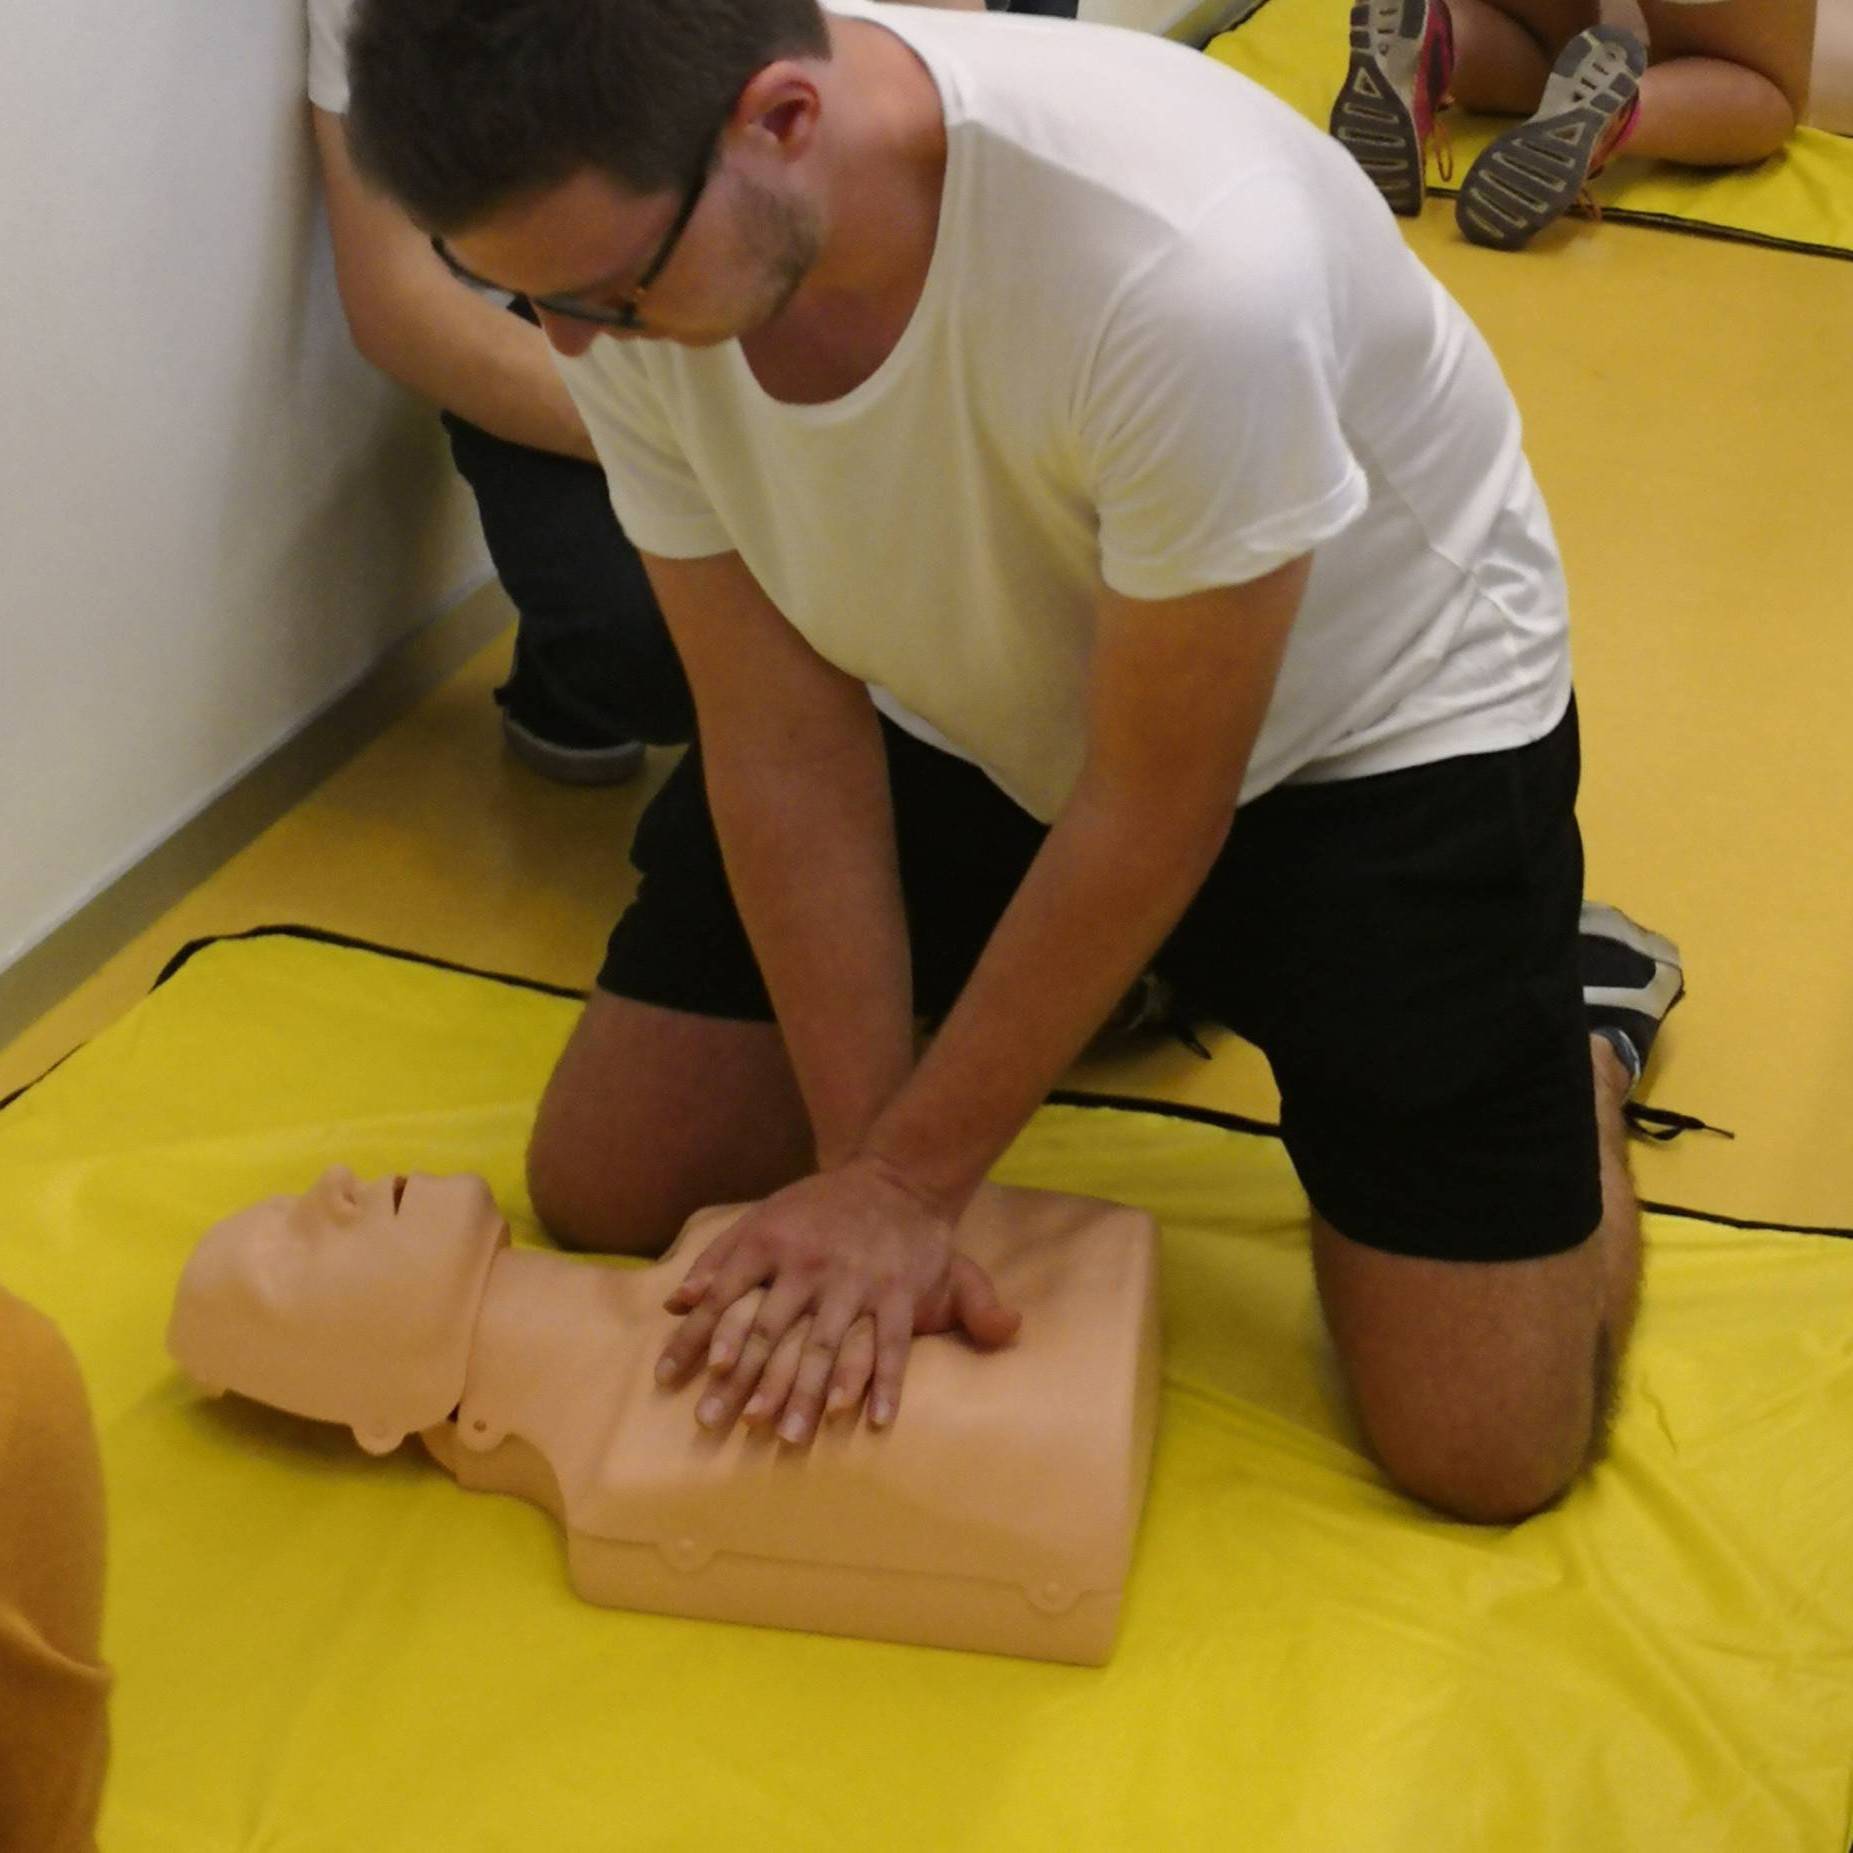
x=1402, y=58
x=1631, y=979
x=1534, y=173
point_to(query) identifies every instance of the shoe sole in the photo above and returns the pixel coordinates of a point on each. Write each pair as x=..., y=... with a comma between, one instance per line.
x=574, y=765
x=1669, y=980
x=1531, y=175
x=1374, y=116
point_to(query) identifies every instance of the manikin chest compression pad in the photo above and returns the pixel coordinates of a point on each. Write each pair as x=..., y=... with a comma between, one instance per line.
x=319, y=1650
x=1801, y=198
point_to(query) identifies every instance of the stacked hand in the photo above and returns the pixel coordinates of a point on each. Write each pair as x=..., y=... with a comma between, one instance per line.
x=810, y=1301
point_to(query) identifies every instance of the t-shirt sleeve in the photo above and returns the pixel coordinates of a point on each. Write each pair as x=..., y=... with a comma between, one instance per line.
x=1211, y=423
x=328, y=23
x=655, y=494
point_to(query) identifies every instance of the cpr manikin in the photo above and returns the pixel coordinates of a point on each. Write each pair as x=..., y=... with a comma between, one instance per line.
x=997, y=1513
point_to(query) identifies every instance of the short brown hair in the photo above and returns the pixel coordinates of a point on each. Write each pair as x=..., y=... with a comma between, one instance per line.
x=458, y=106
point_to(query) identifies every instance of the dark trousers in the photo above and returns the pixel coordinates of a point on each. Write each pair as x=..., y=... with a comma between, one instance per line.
x=593, y=661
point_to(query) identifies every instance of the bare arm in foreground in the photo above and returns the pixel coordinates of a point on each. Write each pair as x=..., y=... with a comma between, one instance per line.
x=1178, y=692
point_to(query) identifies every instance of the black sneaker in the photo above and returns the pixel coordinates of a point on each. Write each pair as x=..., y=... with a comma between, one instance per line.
x=1631, y=979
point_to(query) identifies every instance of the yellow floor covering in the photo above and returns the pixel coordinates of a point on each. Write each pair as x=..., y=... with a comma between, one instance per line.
x=321, y=1652
x=1687, y=404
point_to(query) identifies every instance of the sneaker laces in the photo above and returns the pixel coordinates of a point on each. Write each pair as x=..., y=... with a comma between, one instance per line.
x=1664, y=1126
x=1441, y=144
x=1437, y=73
x=1614, y=137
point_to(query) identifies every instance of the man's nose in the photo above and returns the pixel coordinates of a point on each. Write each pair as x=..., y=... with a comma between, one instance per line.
x=568, y=334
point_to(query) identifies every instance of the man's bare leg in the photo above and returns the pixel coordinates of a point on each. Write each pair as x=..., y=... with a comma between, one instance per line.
x=1486, y=1387
x=652, y=1114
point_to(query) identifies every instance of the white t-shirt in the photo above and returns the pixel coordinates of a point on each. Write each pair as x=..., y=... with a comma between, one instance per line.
x=328, y=20
x=1171, y=335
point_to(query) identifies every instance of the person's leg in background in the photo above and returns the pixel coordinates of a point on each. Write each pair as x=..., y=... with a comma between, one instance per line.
x=1726, y=82
x=1411, y=58
x=1587, y=111
x=1504, y=50
x=1724, y=85
x=595, y=676
x=1720, y=83
x=54, y=1688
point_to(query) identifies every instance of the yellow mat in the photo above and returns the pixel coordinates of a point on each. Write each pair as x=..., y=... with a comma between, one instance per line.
x=317, y=1650
x=1802, y=198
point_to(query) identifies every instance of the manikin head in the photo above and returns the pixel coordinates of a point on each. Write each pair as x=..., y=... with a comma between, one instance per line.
x=353, y=1303
x=655, y=165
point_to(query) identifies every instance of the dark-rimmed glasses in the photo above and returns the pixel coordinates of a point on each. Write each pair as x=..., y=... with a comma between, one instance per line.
x=627, y=313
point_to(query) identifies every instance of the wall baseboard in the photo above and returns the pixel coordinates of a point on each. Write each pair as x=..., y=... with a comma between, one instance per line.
x=58, y=963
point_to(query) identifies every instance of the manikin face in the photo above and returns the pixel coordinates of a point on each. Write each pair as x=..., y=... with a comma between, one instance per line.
x=352, y=1303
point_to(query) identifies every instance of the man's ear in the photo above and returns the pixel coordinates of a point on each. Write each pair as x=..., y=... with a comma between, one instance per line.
x=777, y=113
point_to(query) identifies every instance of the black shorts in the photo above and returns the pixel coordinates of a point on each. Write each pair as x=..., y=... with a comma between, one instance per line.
x=1403, y=948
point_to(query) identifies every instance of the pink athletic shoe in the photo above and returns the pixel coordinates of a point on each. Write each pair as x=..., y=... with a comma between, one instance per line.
x=1534, y=173
x=1402, y=56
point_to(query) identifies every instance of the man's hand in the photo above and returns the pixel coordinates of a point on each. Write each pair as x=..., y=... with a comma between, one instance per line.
x=852, y=1265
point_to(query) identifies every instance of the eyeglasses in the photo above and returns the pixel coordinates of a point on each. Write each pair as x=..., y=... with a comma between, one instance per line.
x=625, y=314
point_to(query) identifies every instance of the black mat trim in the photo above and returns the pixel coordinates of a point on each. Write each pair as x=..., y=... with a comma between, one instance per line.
x=1060, y=1097
x=1692, y=228
x=1163, y=1109
x=320, y=936
x=1744, y=1222
x=27, y=1087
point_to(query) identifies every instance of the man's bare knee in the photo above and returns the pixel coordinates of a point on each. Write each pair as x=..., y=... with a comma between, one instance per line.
x=1494, y=1485
x=583, y=1206
x=653, y=1114
x=1503, y=1474
x=1483, y=1388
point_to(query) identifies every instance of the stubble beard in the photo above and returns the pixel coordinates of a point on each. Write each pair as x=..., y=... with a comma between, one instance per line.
x=784, y=240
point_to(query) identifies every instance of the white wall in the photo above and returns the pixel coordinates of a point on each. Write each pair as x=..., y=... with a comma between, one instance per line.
x=213, y=516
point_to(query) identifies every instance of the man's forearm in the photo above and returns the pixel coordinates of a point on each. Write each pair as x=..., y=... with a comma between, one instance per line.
x=473, y=358
x=808, y=837
x=1113, y=877
x=1178, y=692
